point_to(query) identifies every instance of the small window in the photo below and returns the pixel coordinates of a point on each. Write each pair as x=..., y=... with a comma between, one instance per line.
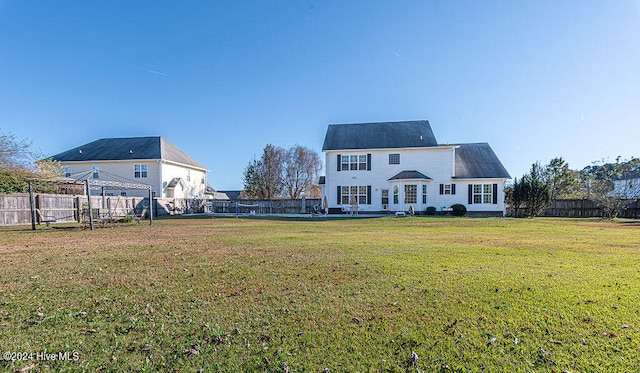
x=447, y=188
x=123, y=194
x=362, y=162
x=96, y=172
x=394, y=158
x=395, y=195
x=385, y=196
x=345, y=162
x=362, y=195
x=188, y=175
x=345, y=195
x=424, y=194
x=140, y=170
x=67, y=171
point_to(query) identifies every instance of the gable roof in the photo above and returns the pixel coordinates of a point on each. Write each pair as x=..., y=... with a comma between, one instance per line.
x=410, y=175
x=128, y=148
x=382, y=135
x=476, y=161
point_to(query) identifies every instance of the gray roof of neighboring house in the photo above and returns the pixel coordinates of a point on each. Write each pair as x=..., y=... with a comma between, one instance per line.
x=410, y=175
x=174, y=182
x=383, y=135
x=475, y=161
x=128, y=148
x=232, y=194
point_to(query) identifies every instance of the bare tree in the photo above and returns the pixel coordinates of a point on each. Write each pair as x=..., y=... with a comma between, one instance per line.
x=300, y=169
x=19, y=164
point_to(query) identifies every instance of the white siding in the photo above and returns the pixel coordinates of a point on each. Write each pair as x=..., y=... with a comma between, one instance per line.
x=193, y=188
x=158, y=176
x=436, y=163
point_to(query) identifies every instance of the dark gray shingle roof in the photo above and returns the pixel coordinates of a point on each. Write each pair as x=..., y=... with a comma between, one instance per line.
x=383, y=135
x=128, y=148
x=410, y=175
x=475, y=161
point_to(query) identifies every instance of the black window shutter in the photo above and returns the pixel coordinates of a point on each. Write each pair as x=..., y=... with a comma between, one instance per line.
x=495, y=194
x=453, y=188
x=368, y=194
x=470, y=194
x=441, y=188
x=339, y=162
x=369, y=162
x=339, y=194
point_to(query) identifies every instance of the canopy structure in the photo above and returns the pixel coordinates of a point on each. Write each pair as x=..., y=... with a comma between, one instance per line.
x=102, y=181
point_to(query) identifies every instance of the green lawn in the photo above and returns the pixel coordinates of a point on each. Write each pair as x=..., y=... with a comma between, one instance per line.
x=348, y=295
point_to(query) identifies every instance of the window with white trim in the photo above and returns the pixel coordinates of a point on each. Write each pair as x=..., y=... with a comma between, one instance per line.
x=447, y=188
x=424, y=193
x=410, y=193
x=394, y=158
x=482, y=193
x=140, y=170
x=396, y=193
x=385, y=196
x=353, y=162
x=96, y=171
x=357, y=192
x=67, y=171
x=188, y=175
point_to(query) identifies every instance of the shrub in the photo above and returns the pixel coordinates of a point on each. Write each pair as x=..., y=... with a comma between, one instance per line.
x=430, y=210
x=458, y=210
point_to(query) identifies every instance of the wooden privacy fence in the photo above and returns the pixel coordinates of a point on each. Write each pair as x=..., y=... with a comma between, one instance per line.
x=583, y=208
x=64, y=208
x=15, y=208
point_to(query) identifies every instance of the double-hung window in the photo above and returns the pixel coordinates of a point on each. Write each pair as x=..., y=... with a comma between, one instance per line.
x=424, y=194
x=354, y=162
x=354, y=193
x=482, y=193
x=140, y=170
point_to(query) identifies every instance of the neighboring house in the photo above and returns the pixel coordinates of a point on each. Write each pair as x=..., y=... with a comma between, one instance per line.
x=628, y=186
x=142, y=160
x=392, y=166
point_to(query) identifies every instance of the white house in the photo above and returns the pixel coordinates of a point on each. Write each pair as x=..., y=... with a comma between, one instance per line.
x=142, y=160
x=393, y=166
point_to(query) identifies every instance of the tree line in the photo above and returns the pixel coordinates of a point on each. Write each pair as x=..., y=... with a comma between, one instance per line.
x=612, y=185
x=21, y=164
x=283, y=173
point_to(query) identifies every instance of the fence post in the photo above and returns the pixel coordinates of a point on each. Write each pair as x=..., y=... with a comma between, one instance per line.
x=33, y=210
x=90, y=209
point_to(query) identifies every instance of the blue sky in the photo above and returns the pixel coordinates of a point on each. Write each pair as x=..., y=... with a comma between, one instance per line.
x=220, y=79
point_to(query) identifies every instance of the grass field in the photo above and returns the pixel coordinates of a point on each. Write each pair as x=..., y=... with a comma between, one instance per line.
x=357, y=295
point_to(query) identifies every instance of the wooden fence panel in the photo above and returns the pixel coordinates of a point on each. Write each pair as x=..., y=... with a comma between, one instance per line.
x=583, y=208
x=14, y=209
